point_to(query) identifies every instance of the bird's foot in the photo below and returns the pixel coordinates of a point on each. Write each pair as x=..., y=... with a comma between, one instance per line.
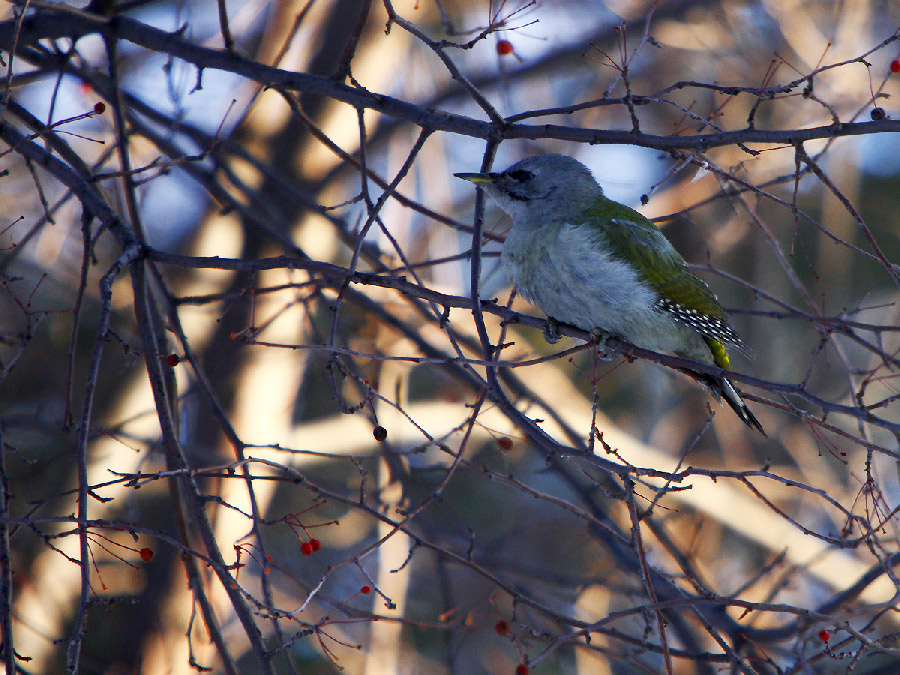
x=551, y=331
x=599, y=338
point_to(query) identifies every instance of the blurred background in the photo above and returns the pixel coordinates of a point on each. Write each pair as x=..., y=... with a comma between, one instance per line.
x=247, y=459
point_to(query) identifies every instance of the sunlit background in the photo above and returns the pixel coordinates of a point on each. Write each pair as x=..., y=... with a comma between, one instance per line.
x=425, y=561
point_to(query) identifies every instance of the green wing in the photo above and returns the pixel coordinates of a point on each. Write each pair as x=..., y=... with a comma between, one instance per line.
x=633, y=237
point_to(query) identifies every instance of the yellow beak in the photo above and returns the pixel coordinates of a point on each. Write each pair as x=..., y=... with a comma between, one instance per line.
x=477, y=177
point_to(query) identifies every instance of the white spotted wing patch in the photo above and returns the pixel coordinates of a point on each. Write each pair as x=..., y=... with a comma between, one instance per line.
x=708, y=326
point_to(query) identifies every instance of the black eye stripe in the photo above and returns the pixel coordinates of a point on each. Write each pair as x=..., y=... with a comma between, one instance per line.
x=521, y=175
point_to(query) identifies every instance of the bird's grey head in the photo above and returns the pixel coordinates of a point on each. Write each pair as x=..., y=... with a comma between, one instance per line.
x=539, y=186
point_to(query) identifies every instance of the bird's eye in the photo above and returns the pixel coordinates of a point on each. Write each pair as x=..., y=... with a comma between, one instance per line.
x=521, y=175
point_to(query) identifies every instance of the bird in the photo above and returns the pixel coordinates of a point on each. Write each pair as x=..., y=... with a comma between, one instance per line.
x=601, y=266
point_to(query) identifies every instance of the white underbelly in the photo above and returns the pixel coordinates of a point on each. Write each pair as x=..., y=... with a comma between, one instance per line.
x=584, y=286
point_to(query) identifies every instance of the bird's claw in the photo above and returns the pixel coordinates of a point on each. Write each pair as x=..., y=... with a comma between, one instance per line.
x=599, y=338
x=551, y=331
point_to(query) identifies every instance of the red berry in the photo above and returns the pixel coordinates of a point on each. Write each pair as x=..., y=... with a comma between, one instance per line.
x=504, y=442
x=306, y=548
x=824, y=635
x=146, y=554
x=365, y=590
x=504, y=47
x=315, y=543
x=380, y=433
x=521, y=669
x=895, y=66
x=100, y=107
x=173, y=360
x=502, y=627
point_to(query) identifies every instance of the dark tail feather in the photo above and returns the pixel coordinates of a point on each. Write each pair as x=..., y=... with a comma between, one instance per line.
x=733, y=398
x=722, y=388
